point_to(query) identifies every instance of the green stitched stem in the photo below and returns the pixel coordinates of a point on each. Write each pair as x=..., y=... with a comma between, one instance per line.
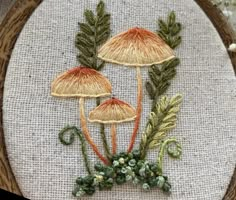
x=72, y=131
x=103, y=136
x=173, y=153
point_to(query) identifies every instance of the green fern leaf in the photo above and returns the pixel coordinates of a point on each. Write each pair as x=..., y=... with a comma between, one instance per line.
x=90, y=18
x=85, y=28
x=92, y=34
x=162, y=120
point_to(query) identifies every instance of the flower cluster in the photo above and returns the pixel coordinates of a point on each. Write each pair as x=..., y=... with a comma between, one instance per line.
x=125, y=167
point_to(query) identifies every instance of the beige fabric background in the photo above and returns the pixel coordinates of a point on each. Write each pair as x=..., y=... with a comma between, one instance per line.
x=45, y=169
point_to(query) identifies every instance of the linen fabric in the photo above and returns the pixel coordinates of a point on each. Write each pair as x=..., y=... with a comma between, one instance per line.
x=46, y=170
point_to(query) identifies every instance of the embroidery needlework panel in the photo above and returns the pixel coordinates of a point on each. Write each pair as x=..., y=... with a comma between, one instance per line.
x=46, y=169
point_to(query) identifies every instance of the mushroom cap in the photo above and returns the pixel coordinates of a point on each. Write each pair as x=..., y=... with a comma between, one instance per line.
x=136, y=47
x=112, y=111
x=81, y=82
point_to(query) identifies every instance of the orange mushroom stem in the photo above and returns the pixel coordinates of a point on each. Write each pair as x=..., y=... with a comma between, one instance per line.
x=138, y=110
x=86, y=132
x=113, y=138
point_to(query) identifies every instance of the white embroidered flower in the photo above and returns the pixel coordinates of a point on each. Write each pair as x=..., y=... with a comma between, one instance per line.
x=121, y=160
x=115, y=163
x=227, y=13
x=232, y=47
x=98, y=178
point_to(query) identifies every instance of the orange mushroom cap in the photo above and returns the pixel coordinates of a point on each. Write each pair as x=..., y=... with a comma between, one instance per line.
x=112, y=111
x=136, y=47
x=81, y=82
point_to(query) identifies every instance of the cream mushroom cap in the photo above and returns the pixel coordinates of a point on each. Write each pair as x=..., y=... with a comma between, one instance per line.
x=136, y=47
x=81, y=82
x=112, y=111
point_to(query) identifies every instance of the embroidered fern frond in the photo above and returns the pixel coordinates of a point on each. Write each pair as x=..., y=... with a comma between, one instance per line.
x=160, y=76
x=162, y=119
x=94, y=32
x=169, y=30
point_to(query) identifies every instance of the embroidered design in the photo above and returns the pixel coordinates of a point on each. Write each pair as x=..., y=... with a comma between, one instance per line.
x=82, y=82
x=162, y=119
x=138, y=48
x=113, y=111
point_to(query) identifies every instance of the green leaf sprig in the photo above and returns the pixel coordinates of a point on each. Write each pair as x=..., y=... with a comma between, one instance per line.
x=92, y=34
x=162, y=119
x=160, y=78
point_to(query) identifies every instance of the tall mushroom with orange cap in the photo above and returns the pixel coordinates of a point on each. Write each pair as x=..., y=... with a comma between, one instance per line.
x=136, y=47
x=84, y=83
x=113, y=111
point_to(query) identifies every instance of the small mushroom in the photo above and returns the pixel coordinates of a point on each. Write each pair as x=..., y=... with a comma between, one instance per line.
x=113, y=111
x=136, y=47
x=84, y=83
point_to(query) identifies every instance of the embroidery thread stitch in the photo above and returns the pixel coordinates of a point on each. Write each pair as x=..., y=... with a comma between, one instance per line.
x=72, y=132
x=136, y=47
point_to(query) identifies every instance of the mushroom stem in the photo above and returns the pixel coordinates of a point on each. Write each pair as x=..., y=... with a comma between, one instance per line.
x=86, y=132
x=113, y=138
x=138, y=110
x=103, y=136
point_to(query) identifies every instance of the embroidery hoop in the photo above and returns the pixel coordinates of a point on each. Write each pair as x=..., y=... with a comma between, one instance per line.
x=23, y=9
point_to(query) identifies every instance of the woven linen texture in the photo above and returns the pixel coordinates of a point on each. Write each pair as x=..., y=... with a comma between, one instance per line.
x=46, y=170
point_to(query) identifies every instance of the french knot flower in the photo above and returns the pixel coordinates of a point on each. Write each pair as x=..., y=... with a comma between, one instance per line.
x=115, y=163
x=121, y=160
x=98, y=178
x=232, y=47
x=146, y=186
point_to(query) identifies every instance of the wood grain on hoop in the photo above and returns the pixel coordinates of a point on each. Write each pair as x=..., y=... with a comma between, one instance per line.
x=12, y=26
x=9, y=30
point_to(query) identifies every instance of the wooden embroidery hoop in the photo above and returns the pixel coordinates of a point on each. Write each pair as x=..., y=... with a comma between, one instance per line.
x=9, y=31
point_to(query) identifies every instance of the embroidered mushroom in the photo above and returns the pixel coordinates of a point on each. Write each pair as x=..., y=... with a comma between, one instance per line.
x=136, y=47
x=84, y=83
x=113, y=111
